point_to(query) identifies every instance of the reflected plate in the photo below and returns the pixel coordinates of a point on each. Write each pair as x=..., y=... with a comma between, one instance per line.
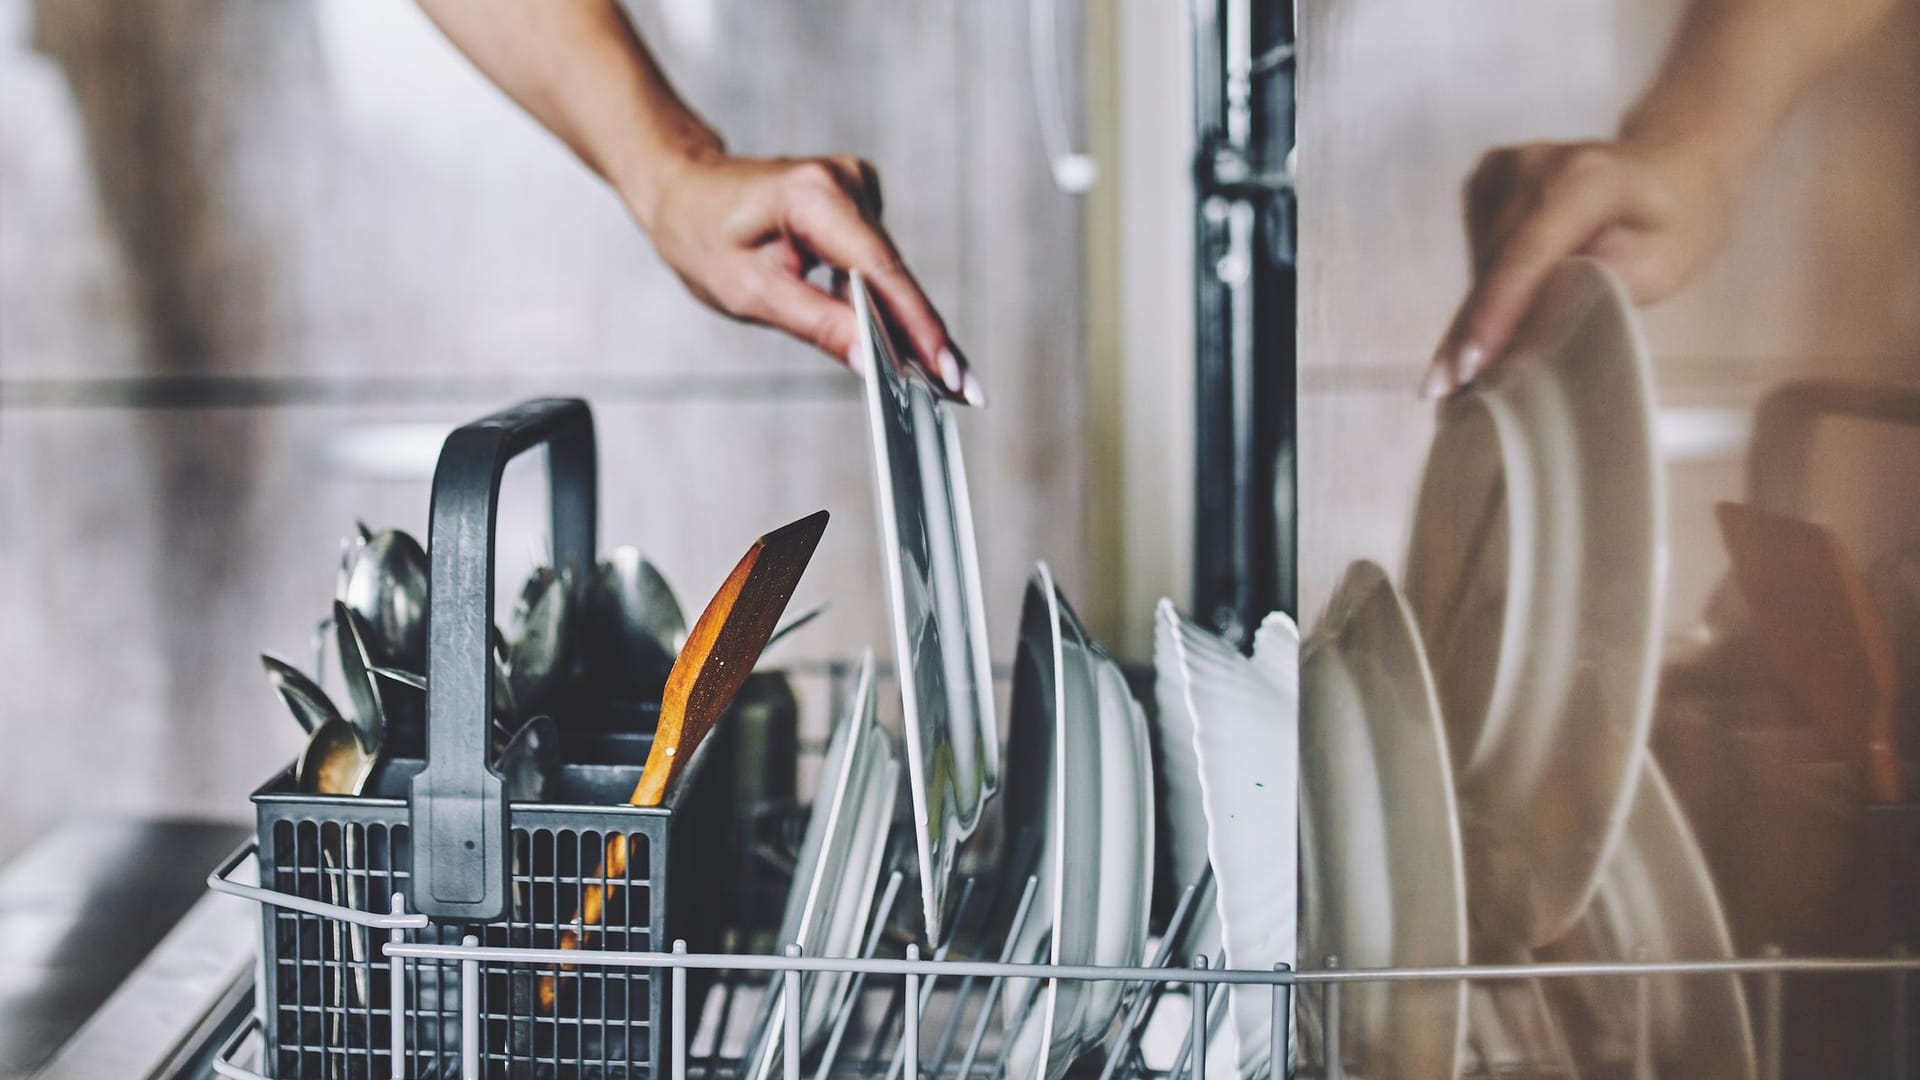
x=1537, y=571
x=938, y=614
x=1656, y=902
x=1383, y=883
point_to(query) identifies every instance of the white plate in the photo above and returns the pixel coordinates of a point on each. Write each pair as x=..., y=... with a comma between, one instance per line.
x=1243, y=716
x=1383, y=883
x=938, y=615
x=1080, y=817
x=1656, y=901
x=1537, y=571
x=839, y=866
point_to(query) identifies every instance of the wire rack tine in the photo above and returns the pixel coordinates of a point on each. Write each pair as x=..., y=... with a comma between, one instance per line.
x=1126, y=1044
x=790, y=1019
x=678, y=1047
x=1034, y=991
x=832, y=1053
x=910, y=1036
x=998, y=983
x=1197, y=1038
x=925, y=994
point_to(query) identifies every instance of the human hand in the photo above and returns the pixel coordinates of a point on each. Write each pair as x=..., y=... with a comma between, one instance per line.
x=1654, y=214
x=743, y=233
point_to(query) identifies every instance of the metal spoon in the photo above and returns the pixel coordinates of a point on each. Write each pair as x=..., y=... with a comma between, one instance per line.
x=356, y=669
x=635, y=624
x=336, y=762
x=503, y=701
x=541, y=620
x=386, y=585
x=310, y=704
x=529, y=760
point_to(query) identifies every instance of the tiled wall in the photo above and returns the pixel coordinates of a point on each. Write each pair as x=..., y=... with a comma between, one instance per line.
x=253, y=257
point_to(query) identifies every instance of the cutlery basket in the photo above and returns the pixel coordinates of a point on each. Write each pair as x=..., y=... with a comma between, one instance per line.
x=438, y=836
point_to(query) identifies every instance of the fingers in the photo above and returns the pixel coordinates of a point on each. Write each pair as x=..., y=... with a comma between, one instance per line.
x=1580, y=197
x=789, y=304
x=829, y=223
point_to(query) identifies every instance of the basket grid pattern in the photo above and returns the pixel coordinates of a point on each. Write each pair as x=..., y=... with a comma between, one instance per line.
x=330, y=984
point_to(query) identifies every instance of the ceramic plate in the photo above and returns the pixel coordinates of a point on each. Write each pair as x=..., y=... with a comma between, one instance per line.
x=1383, y=881
x=939, y=620
x=837, y=871
x=1656, y=901
x=1080, y=818
x=1243, y=718
x=1537, y=571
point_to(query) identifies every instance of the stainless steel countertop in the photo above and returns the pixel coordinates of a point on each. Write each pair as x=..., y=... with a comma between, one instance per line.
x=81, y=908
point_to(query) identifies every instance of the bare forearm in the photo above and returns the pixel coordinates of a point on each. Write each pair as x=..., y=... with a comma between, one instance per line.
x=1736, y=70
x=582, y=71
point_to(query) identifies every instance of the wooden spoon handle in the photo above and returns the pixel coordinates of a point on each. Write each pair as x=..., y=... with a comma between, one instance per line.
x=592, y=912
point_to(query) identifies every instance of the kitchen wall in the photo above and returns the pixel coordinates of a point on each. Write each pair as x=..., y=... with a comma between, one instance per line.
x=255, y=260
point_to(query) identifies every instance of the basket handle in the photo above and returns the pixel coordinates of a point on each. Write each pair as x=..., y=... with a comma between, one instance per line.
x=1779, y=467
x=459, y=805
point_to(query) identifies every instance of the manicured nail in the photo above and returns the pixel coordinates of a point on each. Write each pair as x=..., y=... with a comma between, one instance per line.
x=950, y=372
x=1466, y=366
x=971, y=389
x=1437, y=384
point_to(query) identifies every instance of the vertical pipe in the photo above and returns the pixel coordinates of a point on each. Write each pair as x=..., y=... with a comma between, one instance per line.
x=1772, y=1016
x=1198, y=1056
x=1280, y=1035
x=790, y=1021
x=1336, y=1065
x=910, y=1038
x=470, y=1012
x=1643, y=1028
x=397, y=994
x=1899, y=1060
x=678, y=1022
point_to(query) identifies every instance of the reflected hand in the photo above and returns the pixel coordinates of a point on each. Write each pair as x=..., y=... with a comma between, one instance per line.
x=743, y=233
x=1653, y=214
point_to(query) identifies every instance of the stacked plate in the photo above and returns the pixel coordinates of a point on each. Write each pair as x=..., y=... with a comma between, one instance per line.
x=1080, y=822
x=835, y=876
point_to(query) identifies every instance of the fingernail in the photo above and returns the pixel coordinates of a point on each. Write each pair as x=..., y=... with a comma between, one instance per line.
x=950, y=372
x=971, y=389
x=1438, y=383
x=1467, y=365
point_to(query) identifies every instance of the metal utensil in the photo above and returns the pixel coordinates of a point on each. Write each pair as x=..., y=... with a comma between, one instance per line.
x=633, y=626
x=414, y=685
x=337, y=762
x=529, y=760
x=310, y=705
x=719, y=654
x=386, y=585
x=537, y=653
x=356, y=669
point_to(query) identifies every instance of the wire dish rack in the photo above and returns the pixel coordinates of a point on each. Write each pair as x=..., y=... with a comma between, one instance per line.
x=910, y=1015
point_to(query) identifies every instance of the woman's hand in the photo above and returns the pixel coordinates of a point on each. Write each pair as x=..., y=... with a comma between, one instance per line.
x=1654, y=215
x=743, y=233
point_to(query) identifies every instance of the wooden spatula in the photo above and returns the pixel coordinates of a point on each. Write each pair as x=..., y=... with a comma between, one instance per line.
x=1817, y=623
x=720, y=652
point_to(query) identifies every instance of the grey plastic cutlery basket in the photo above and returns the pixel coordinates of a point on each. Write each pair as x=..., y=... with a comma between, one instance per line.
x=438, y=836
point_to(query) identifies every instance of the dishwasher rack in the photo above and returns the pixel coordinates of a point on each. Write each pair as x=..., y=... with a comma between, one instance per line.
x=958, y=998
